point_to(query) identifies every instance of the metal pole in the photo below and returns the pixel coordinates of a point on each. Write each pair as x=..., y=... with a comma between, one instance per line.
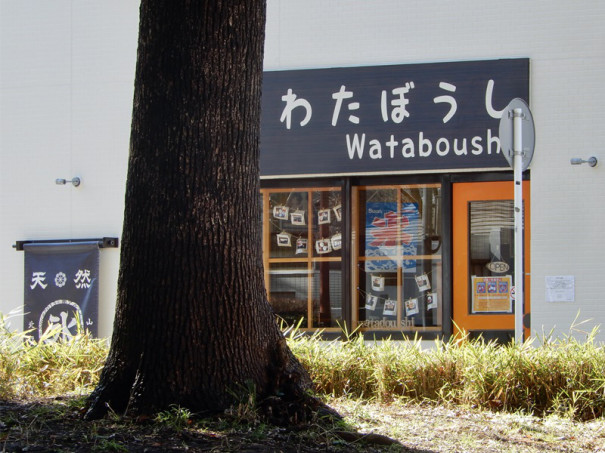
x=518, y=179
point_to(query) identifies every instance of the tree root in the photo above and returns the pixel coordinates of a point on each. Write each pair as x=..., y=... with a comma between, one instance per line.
x=282, y=411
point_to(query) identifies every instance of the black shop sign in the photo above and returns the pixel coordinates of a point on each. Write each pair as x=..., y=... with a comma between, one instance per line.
x=387, y=119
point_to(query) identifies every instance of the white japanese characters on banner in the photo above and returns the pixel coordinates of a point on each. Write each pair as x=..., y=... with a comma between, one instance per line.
x=387, y=118
x=61, y=289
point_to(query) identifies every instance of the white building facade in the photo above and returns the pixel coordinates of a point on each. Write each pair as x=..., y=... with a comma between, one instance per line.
x=66, y=85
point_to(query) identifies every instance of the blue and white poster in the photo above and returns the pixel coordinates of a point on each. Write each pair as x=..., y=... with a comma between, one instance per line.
x=61, y=289
x=391, y=233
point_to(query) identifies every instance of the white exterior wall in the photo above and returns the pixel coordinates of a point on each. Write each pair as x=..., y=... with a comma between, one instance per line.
x=66, y=87
x=565, y=42
x=66, y=79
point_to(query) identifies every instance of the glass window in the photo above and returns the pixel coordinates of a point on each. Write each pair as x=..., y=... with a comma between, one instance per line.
x=397, y=231
x=302, y=236
x=289, y=291
x=491, y=255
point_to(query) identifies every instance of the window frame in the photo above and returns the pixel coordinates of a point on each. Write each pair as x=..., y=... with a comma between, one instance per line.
x=312, y=257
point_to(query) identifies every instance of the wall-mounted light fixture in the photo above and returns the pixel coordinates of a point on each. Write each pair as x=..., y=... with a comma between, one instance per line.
x=61, y=182
x=592, y=161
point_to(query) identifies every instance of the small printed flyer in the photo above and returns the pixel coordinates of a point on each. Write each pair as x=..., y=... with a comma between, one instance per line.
x=560, y=288
x=492, y=294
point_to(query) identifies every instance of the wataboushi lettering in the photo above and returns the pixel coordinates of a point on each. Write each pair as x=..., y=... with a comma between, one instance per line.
x=356, y=146
x=375, y=149
x=491, y=140
x=443, y=146
x=407, y=148
x=423, y=147
x=460, y=151
x=477, y=146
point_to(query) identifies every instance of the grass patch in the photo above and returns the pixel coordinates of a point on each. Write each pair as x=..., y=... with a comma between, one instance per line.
x=31, y=369
x=563, y=377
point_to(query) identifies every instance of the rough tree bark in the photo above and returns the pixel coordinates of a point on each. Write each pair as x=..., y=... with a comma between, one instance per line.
x=192, y=324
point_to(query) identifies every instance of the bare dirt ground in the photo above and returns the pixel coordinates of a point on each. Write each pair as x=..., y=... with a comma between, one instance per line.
x=55, y=425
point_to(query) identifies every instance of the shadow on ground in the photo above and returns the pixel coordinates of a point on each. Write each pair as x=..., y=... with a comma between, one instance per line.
x=52, y=425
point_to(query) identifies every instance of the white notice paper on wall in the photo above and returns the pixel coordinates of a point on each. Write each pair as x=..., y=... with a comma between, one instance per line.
x=560, y=288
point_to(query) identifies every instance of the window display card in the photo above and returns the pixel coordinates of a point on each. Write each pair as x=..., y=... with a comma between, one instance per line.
x=390, y=307
x=336, y=241
x=297, y=218
x=432, y=301
x=423, y=282
x=377, y=283
x=323, y=246
x=338, y=212
x=323, y=216
x=491, y=294
x=411, y=307
x=301, y=246
x=284, y=240
x=371, y=302
x=281, y=212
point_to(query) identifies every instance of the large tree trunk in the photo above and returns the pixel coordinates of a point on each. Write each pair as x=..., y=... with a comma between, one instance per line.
x=192, y=324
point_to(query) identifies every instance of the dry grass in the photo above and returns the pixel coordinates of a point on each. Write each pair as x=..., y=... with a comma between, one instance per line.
x=33, y=370
x=565, y=378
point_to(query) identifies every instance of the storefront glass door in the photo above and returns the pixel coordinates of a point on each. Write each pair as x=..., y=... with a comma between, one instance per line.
x=483, y=258
x=397, y=254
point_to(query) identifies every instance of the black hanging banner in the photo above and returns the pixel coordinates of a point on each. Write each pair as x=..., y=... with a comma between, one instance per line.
x=61, y=289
